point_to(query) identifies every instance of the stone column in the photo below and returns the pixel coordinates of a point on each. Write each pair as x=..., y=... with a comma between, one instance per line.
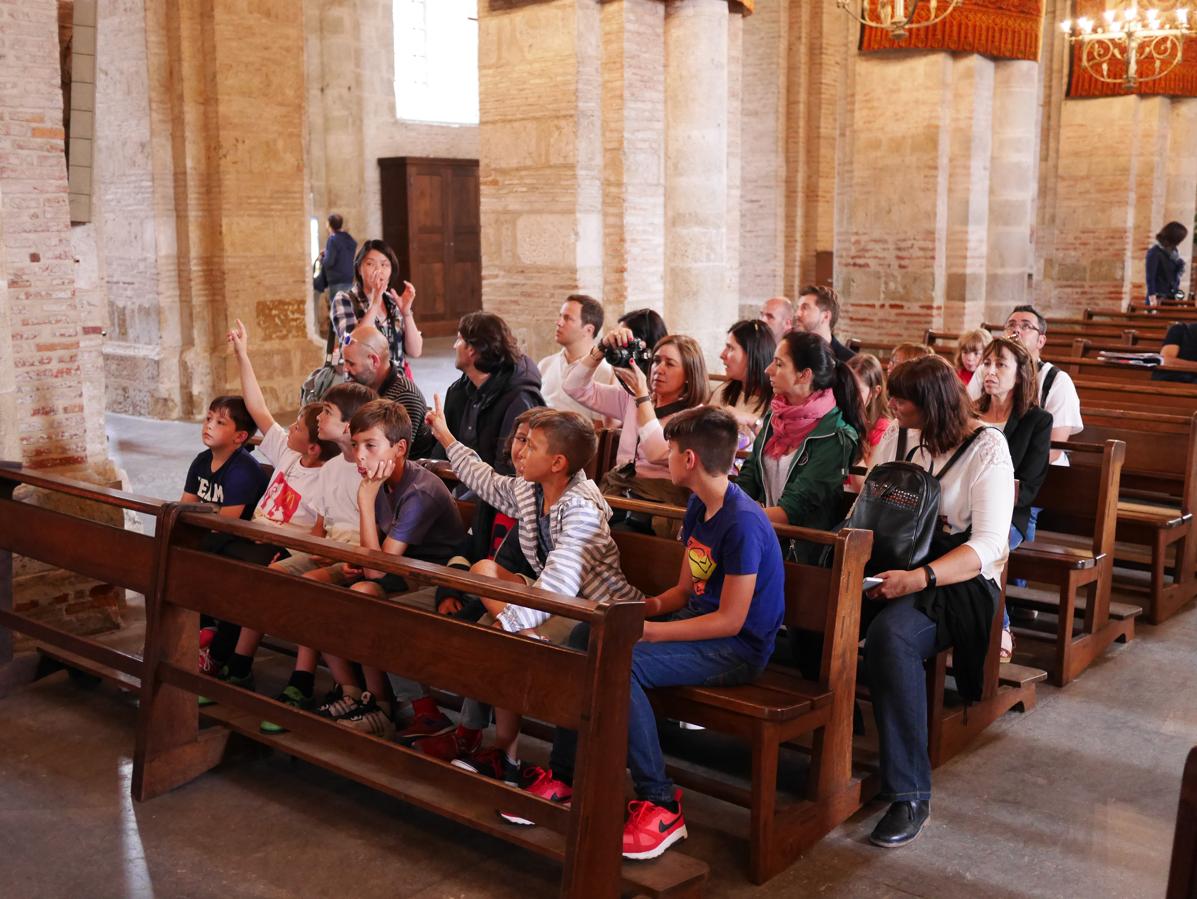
x=540, y=93
x=633, y=129
x=697, y=119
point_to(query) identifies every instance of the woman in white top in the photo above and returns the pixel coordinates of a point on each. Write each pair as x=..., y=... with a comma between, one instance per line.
x=677, y=380
x=746, y=393
x=949, y=601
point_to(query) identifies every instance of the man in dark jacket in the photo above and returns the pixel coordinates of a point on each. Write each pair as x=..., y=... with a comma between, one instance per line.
x=336, y=259
x=497, y=383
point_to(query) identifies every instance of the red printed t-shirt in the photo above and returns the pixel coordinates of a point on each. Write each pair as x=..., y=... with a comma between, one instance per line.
x=290, y=497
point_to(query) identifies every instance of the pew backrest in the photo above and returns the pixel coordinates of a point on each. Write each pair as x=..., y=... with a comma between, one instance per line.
x=1082, y=498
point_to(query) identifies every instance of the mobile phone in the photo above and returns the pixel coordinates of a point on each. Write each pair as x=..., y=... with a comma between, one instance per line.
x=871, y=582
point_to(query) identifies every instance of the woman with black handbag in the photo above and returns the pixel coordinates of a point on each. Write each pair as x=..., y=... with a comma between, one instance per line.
x=946, y=600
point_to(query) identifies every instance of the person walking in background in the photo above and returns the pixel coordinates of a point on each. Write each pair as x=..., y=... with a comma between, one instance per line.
x=336, y=259
x=1164, y=265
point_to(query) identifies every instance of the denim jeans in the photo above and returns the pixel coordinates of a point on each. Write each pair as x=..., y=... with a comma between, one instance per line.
x=1017, y=538
x=720, y=662
x=897, y=641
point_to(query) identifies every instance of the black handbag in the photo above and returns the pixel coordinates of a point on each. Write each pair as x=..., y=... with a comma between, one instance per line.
x=899, y=503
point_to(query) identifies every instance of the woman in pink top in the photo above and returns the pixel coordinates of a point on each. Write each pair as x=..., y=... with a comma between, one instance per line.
x=677, y=380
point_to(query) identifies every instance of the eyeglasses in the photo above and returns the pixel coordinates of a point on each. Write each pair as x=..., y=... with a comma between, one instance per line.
x=1022, y=326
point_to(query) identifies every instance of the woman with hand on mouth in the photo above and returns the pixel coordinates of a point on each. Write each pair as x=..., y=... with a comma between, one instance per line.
x=1010, y=401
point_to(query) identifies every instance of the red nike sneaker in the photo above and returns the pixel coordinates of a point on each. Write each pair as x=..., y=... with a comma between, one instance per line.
x=542, y=783
x=651, y=828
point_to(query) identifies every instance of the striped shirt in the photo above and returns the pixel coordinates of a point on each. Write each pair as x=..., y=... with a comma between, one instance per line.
x=346, y=310
x=583, y=561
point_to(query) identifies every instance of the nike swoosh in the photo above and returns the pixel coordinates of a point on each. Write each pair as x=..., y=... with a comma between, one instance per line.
x=666, y=826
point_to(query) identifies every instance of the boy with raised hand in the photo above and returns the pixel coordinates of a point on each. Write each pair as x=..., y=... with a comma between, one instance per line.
x=297, y=455
x=562, y=527
x=404, y=510
x=720, y=622
x=335, y=503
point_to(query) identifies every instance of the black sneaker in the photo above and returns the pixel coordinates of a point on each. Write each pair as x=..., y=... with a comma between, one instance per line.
x=492, y=762
x=337, y=704
x=901, y=823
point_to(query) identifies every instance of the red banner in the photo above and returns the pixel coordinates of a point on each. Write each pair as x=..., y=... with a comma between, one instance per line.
x=1003, y=29
x=1180, y=82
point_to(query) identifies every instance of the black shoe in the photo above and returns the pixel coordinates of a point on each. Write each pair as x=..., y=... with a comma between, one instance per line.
x=901, y=824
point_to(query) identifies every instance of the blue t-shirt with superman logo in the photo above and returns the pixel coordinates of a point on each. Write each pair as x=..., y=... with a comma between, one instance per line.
x=739, y=539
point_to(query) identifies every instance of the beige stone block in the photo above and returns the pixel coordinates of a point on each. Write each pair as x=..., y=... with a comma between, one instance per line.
x=80, y=206
x=83, y=68
x=82, y=124
x=80, y=179
x=83, y=96
x=546, y=239
x=85, y=13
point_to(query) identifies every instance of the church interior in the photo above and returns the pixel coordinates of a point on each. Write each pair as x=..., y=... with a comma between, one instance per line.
x=170, y=173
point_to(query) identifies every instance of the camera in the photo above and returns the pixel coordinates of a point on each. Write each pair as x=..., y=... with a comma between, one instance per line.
x=636, y=351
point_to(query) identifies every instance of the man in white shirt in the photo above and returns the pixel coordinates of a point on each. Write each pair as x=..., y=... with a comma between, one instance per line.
x=778, y=314
x=1057, y=393
x=578, y=325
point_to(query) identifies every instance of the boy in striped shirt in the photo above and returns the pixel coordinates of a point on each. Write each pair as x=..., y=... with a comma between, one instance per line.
x=563, y=534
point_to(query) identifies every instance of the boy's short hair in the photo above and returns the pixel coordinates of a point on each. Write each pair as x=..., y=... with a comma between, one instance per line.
x=349, y=397
x=309, y=414
x=386, y=415
x=234, y=407
x=568, y=434
x=710, y=432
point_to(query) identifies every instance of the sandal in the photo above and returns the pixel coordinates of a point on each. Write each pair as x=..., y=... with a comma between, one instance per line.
x=1006, y=653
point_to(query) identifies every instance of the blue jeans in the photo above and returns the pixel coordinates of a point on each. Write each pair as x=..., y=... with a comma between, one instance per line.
x=713, y=663
x=1017, y=538
x=897, y=641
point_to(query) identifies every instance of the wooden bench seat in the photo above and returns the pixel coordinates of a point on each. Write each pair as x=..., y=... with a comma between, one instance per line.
x=1080, y=499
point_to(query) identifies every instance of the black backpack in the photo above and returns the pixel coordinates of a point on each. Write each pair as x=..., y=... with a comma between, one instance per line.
x=899, y=503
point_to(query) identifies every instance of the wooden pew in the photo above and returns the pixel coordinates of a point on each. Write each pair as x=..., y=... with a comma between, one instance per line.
x=588, y=692
x=1157, y=497
x=1182, y=876
x=780, y=706
x=1137, y=313
x=74, y=542
x=1073, y=551
x=1163, y=396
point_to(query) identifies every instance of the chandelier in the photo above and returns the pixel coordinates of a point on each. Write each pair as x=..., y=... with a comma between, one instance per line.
x=1129, y=45
x=892, y=15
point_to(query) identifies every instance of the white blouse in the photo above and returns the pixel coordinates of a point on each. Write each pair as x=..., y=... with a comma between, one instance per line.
x=978, y=490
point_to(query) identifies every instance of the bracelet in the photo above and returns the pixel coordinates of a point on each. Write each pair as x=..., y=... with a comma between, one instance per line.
x=930, y=572
x=641, y=400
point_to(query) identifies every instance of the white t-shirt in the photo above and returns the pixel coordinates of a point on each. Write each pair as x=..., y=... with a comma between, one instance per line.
x=1062, y=403
x=776, y=472
x=978, y=490
x=553, y=370
x=337, y=500
x=289, y=500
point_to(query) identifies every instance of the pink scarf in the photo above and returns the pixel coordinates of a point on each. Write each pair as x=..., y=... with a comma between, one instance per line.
x=791, y=423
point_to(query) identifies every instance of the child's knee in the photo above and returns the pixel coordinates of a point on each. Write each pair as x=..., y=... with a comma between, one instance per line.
x=485, y=567
x=368, y=587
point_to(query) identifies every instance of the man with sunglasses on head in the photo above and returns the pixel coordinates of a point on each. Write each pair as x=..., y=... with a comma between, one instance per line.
x=366, y=354
x=1057, y=393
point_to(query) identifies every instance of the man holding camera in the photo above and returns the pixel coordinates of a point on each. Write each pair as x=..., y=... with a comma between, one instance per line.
x=578, y=326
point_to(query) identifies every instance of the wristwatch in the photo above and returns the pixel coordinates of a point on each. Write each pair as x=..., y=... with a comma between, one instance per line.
x=641, y=400
x=930, y=572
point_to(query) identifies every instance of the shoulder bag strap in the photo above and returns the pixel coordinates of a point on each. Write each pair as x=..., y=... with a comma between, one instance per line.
x=960, y=451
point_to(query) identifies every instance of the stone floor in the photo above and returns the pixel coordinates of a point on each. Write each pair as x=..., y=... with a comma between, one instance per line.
x=1077, y=798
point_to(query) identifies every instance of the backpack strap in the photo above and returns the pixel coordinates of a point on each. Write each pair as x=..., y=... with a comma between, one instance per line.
x=1045, y=384
x=901, y=453
x=960, y=451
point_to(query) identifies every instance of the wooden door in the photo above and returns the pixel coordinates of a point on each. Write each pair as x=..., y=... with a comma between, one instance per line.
x=430, y=216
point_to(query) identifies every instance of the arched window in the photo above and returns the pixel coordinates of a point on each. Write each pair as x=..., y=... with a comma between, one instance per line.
x=436, y=61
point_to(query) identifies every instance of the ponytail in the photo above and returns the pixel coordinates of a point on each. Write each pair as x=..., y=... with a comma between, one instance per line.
x=846, y=390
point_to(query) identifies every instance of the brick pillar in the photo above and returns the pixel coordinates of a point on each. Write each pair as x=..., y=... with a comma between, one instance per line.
x=51, y=385
x=698, y=112
x=633, y=97
x=540, y=92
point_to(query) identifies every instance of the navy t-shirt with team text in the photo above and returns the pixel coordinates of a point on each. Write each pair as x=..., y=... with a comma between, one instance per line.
x=738, y=539
x=239, y=481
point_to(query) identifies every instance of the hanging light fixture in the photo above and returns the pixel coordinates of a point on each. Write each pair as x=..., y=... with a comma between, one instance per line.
x=897, y=16
x=1131, y=44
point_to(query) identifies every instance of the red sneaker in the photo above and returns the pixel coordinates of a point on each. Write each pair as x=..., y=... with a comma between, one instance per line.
x=450, y=746
x=424, y=726
x=207, y=665
x=651, y=828
x=491, y=762
x=542, y=783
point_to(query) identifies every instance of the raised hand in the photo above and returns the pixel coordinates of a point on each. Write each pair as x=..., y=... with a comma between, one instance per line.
x=633, y=380
x=618, y=337
x=238, y=336
x=437, y=423
x=405, y=301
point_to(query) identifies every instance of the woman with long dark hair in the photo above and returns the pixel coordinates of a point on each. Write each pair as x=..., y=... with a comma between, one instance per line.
x=1164, y=265
x=746, y=393
x=950, y=600
x=809, y=438
x=381, y=298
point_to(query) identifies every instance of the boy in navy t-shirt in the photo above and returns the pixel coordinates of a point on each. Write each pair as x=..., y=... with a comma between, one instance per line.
x=716, y=626
x=225, y=474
